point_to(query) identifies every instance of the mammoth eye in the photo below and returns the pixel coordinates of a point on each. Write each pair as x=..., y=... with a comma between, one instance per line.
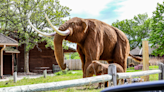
x=73, y=23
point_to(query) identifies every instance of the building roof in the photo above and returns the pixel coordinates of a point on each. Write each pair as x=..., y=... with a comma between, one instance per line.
x=138, y=51
x=150, y=50
x=4, y=40
x=135, y=51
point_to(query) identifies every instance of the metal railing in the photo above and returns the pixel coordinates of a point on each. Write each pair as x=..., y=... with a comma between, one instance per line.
x=111, y=76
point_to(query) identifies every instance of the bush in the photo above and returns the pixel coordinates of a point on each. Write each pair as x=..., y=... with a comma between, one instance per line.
x=64, y=72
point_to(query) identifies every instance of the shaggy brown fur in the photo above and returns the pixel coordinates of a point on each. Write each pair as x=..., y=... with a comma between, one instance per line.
x=95, y=40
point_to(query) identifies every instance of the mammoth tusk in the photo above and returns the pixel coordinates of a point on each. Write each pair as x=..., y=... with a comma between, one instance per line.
x=44, y=34
x=62, y=33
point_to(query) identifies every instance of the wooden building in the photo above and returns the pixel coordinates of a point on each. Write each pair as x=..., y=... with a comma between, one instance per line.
x=8, y=55
x=40, y=58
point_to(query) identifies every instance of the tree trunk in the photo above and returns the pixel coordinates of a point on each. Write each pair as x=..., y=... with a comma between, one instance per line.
x=26, y=60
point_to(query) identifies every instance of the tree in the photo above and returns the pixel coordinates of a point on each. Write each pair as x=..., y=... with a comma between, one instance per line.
x=135, y=29
x=13, y=18
x=75, y=56
x=157, y=33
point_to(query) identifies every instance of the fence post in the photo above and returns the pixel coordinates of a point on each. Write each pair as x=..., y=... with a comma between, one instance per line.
x=112, y=70
x=53, y=68
x=15, y=77
x=145, y=58
x=161, y=67
x=45, y=73
x=162, y=71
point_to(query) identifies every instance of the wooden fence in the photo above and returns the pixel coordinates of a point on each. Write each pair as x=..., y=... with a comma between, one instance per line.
x=75, y=64
x=111, y=76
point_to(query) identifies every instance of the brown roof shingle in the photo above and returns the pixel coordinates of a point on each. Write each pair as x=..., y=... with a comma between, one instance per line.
x=5, y=39
x=138, y=51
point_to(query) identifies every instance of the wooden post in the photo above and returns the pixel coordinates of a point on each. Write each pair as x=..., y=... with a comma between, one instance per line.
x=12, y=64
x=1, y=61
x=112, y=70
x=15, y=77
x=1, y=64
x=45, y=73
x=145, y=58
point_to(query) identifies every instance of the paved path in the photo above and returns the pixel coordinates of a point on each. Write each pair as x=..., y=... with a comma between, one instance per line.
x=19, y=77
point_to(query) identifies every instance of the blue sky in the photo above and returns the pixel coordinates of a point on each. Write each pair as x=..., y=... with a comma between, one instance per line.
x=110, y=10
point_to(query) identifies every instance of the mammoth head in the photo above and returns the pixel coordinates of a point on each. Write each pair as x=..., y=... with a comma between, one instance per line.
x=78, y=28
x=94, y=68
x=75, y=24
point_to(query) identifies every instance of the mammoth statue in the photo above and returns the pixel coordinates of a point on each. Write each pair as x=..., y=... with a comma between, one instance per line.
x=95, y=40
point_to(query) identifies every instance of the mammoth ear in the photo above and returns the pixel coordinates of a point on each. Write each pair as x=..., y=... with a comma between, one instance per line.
x=91, y=25
x=84, y=25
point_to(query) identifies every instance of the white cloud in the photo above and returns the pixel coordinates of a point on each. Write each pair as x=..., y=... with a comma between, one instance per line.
x=133, y=7
x=126, y=9
x=89, y=7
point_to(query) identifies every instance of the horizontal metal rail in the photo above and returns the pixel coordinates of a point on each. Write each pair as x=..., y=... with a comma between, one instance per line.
x=75, y=83
x=57, y=85
x=137, y=74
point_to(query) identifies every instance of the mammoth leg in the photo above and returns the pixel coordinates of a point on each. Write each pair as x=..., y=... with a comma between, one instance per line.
x=89, y=57
x=82, y=57
x=121, y=53
x=122, y=62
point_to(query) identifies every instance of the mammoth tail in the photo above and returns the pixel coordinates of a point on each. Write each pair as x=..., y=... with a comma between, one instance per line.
x=138, y=59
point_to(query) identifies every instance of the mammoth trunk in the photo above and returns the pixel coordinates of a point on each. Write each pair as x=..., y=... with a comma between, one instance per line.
x=58, y=51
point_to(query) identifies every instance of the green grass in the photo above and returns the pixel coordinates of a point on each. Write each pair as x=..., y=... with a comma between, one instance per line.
x=153, y=67
x=27, y=81
x=152, y=77
x=67, y=75
x=131, y=69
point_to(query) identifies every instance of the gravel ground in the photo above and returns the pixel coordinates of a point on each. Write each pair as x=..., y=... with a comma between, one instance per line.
x=23, y=75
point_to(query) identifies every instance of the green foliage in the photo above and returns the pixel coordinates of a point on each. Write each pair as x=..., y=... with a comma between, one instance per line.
x=157, y=33
x=75, y=56
x=67, y=72
x=13, y=17
x=64, y=72
x=135, y=29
